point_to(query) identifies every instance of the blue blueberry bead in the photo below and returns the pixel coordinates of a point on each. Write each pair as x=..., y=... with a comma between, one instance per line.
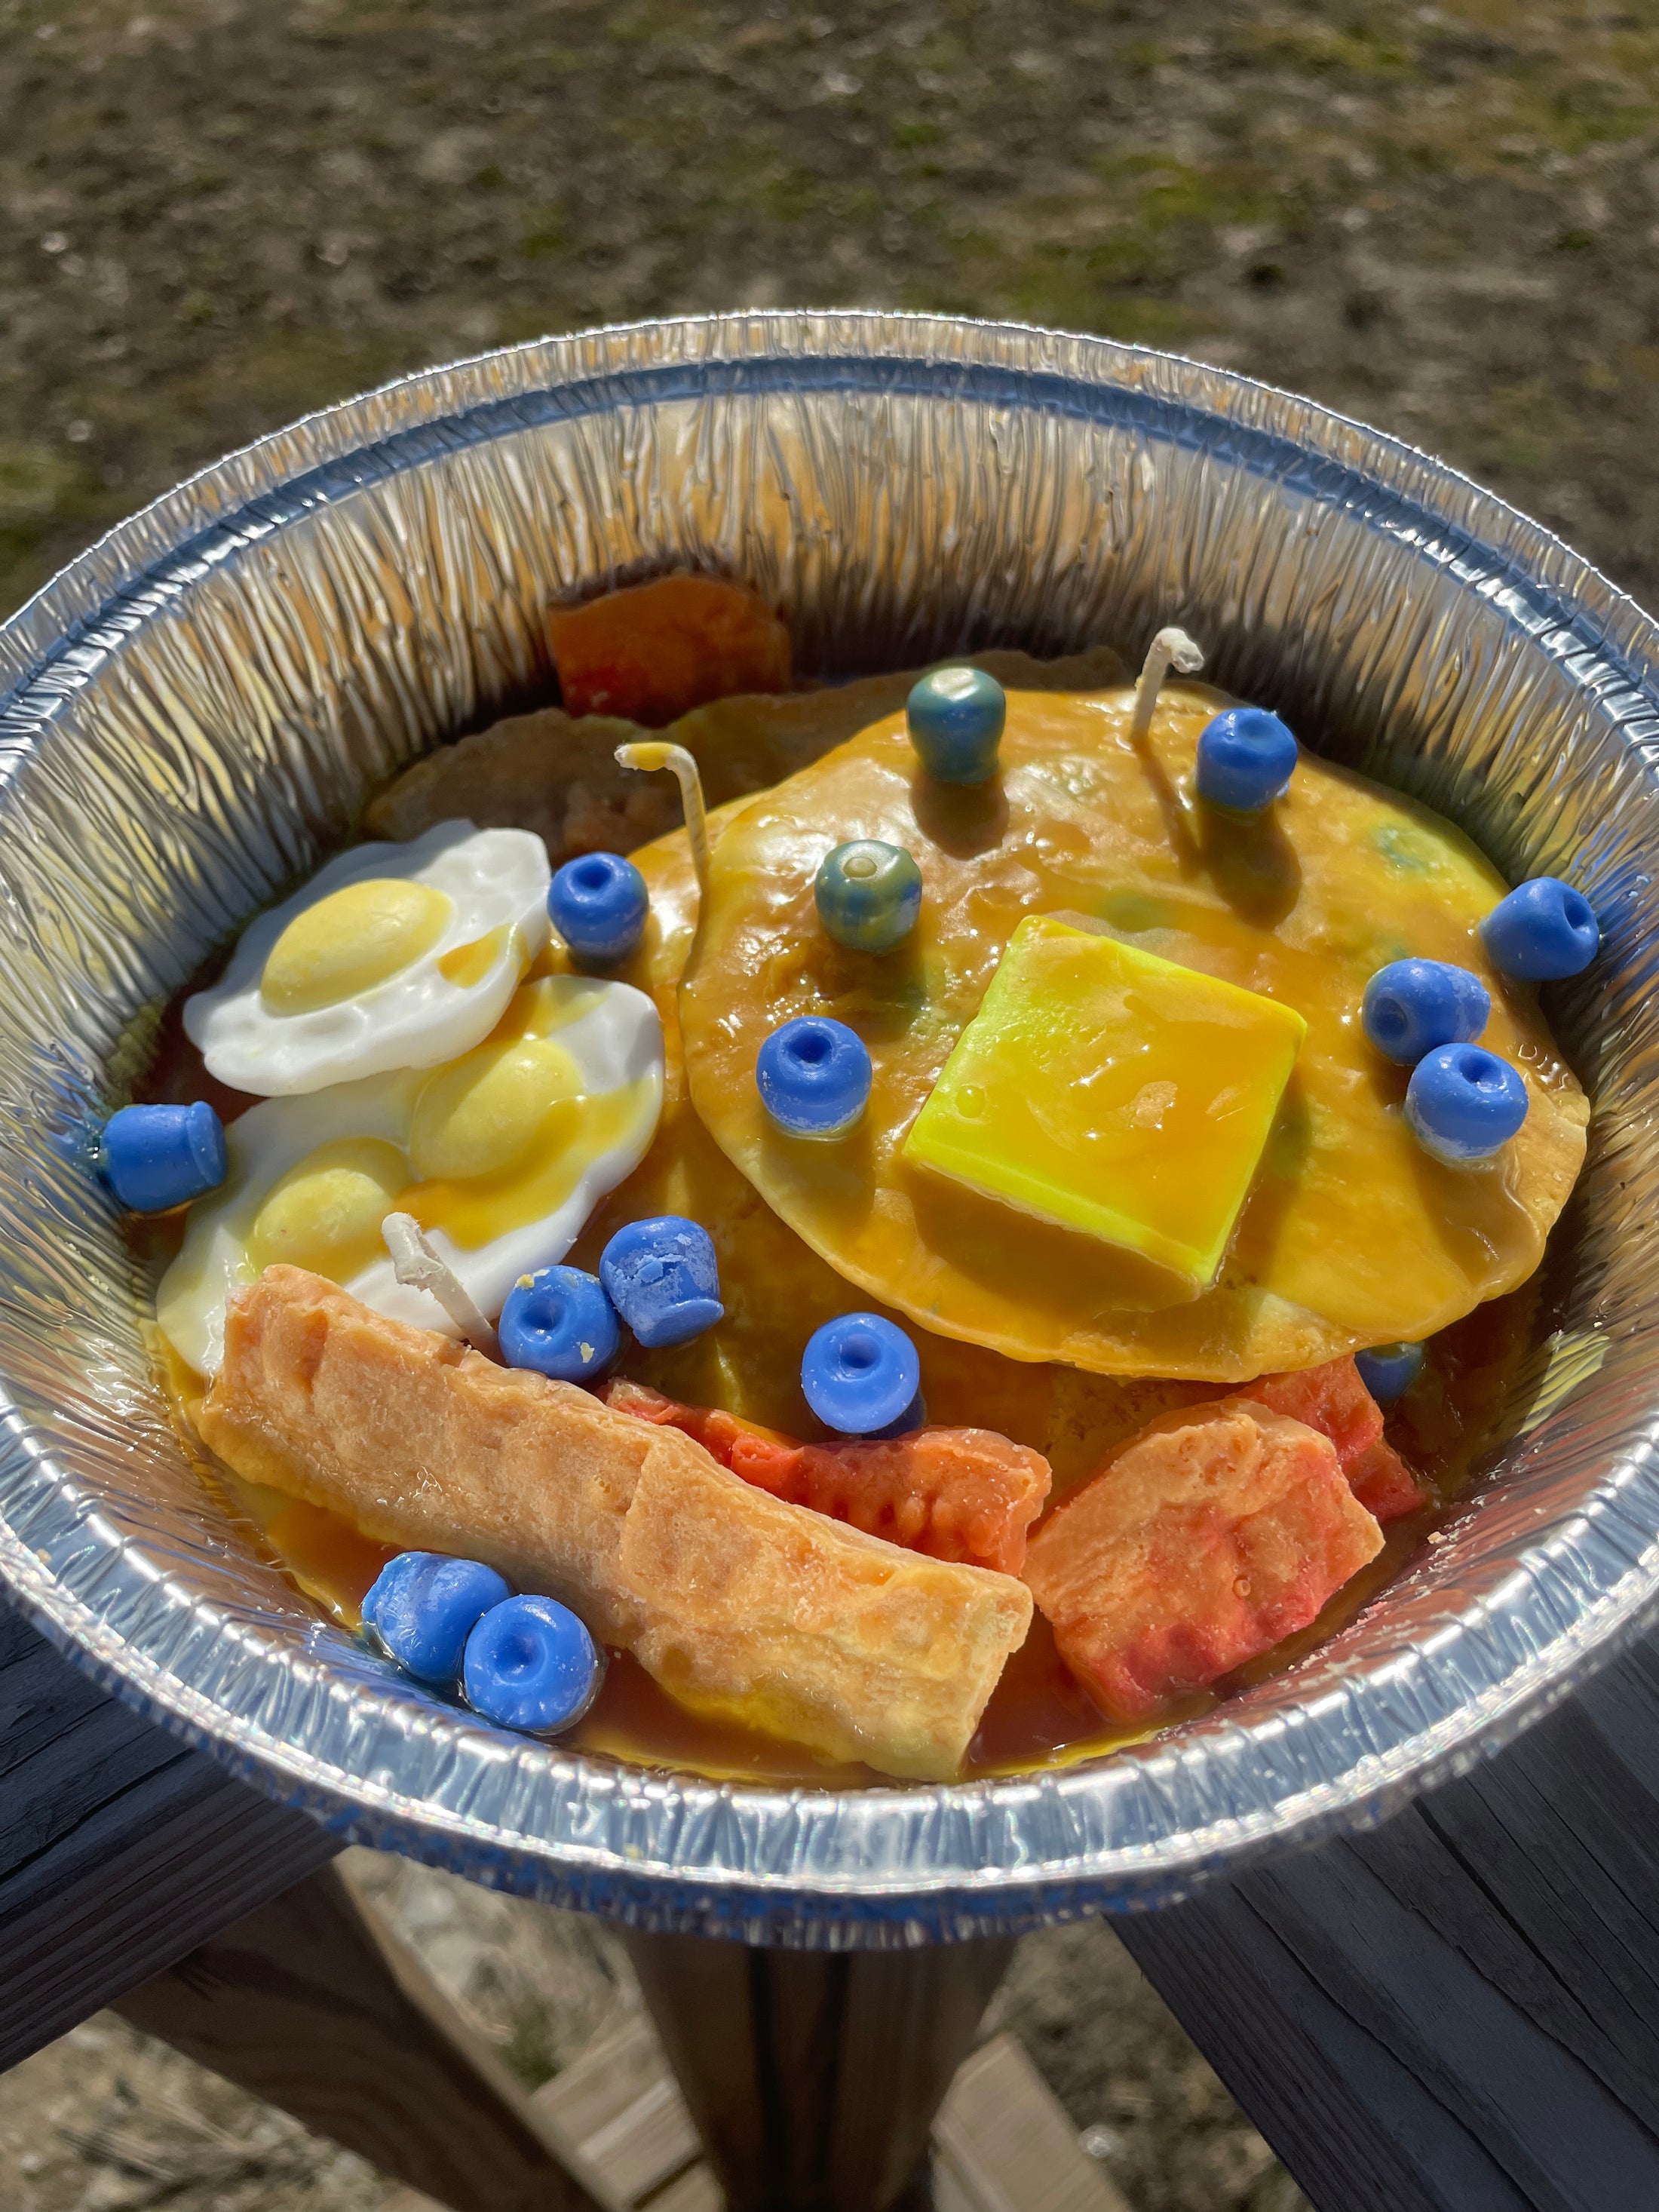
x=1412, y=1006
x=423, y=1607
x=1542, y=931
x=1246, y=757
x=1463, y=1103
x=813, y=1075
x=861, y=1376
x=598, y=904
x=530, y=1664
x=868, y=894
x=1387, y=1370
x=955, y=717
x=560, y=1323
x=662, y=1277
x=157, y=1156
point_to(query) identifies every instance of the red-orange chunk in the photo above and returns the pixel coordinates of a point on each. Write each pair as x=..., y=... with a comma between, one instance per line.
x=965, y=1495
x=1333, y=1399
x=651, y=652
x=1220, y=1530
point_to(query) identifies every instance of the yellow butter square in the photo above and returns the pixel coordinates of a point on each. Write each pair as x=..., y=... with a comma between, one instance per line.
x=1111, y=1092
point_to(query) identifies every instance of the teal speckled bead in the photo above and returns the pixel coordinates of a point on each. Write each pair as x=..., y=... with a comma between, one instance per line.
x=868, y=894
x=955, y=717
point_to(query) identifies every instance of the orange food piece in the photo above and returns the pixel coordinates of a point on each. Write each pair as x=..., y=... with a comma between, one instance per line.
x=1383, y=1484
x=1334, y=1400
x=654, y=652
x=1220, y=1530
x=966, y=1495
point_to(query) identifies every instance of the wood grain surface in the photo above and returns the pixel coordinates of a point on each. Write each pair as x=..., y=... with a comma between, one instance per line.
x=119, y=1850
x=814, y=2077
x=1458, y=2011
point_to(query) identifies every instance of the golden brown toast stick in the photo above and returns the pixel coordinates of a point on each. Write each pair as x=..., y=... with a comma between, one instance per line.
x=736, y=1600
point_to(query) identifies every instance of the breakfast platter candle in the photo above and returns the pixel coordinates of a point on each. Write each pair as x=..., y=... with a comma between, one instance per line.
x=995, y=1203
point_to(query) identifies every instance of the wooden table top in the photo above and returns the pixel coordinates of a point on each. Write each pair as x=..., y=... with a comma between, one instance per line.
x=1458, y=2011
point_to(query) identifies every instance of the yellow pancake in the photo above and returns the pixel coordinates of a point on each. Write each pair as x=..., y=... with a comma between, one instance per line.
x=776, y=1290
x=1352, y=1235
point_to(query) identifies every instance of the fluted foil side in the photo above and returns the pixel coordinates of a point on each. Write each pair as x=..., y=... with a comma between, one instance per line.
x=194, y=712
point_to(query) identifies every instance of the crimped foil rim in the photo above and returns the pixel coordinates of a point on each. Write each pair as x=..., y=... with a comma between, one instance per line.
x=879, y=1866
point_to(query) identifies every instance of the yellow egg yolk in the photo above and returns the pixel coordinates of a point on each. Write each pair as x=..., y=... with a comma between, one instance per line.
x=326, y=1213
x=465, y=965
x=357, y=937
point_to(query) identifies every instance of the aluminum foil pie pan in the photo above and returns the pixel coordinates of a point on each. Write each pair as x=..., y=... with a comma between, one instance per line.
x=194, y=712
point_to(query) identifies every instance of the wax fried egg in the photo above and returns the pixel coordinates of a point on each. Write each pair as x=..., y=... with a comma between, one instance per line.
x=391, y=956
x=501, y=1155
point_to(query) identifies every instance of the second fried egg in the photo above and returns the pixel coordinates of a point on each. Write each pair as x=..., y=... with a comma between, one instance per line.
x=501, y=1155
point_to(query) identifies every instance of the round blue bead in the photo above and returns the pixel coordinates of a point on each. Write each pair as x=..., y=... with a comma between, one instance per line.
x=1463, y=1103
x=530, y=1664
x=560, y=1323
x=598, y=904
x=868, y=894
x=1387, y=1370
x=813, y=1075
x=1412, y=1006
x=1543, y=931
x=1246, y=756
x=955, y=717
x=157, y=1156
x=861, y=1376
x=662, y=1277
x=422, y=1606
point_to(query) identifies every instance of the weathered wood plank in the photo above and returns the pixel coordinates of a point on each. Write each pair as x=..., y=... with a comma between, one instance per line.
x=1460, y=2010
x=311, y=2004
x=119, y=1850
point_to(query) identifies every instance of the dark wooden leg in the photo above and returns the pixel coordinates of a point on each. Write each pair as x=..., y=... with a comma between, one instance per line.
x=311, y=2005
x=813, y=2077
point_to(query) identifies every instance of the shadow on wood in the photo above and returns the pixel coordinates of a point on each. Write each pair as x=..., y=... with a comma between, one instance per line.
x=309, y=2005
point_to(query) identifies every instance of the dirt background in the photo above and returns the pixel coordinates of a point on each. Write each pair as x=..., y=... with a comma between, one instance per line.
x=215, y=215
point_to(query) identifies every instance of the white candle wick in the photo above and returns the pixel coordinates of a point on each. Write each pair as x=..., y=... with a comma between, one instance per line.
x=417, y=1267
x=653, y=753
x=1170, y=648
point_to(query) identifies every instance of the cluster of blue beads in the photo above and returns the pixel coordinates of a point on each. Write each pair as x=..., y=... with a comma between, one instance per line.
x=658, y=1276
x=524, y=1662
x=1463, y=1103
x=861, y=1377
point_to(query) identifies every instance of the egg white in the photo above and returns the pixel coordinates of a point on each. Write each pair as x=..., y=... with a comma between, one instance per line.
x=613, y=1035
x=495, y=881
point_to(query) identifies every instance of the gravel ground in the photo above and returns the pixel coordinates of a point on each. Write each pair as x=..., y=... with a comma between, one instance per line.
x=215, y=215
